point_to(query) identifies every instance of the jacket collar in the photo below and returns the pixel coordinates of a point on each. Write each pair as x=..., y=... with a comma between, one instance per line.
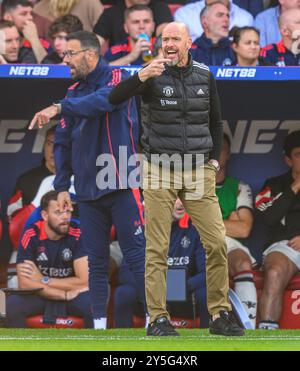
x=206, y=43
x=94, y=77
x=184, y=221
x=179, y=71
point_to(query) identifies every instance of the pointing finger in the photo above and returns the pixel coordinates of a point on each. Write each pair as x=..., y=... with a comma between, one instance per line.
x=162, y=60
x=33, y=122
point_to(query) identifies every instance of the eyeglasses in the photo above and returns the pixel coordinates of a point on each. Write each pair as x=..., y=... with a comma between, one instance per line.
x=72, y=53
x=60, y=213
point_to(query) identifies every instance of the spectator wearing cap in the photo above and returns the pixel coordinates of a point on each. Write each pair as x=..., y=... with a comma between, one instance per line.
x=278, y=203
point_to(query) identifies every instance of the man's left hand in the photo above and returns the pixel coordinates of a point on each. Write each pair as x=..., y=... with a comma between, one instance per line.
x=43, y=117
x=294, y=243
x=29, y=270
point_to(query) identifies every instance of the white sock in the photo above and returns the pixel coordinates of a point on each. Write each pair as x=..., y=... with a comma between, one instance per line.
x=246, y=291
x=100, y=323
x=147, y=320
x=268, y=325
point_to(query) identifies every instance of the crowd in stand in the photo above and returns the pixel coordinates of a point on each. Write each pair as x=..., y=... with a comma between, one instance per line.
x=35, y=31
x=224, y=33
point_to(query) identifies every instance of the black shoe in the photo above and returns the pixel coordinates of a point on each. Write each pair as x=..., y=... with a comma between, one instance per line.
x=161, y=327
x=225, y=325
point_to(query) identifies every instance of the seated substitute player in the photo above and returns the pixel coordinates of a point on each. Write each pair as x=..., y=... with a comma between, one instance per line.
x=235, y=198
x=279, y=205
x=186, y=252
x=28, y=183
x=50, y=256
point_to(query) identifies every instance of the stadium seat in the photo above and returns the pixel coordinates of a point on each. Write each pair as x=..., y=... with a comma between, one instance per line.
x=68, y=322
x=174, y=7
x=17, y=224
x=15, y=229
x=290, y=318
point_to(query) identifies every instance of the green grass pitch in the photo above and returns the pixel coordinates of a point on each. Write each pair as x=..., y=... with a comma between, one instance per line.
x=135, y=339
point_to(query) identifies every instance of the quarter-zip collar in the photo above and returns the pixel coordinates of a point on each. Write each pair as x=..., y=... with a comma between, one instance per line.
x=181, y=71
x=93, y=78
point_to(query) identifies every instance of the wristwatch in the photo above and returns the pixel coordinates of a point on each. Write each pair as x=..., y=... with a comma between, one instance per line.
x=215, y=164
x=46, y=280
x=58, y=106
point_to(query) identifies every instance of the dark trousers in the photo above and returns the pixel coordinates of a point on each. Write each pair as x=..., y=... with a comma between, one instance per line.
x=122, y=209
x=125, y=303
x=19, y=307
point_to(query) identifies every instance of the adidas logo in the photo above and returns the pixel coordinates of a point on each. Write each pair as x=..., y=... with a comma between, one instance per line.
x=200, y=92
x=42, y=257
x=138, y=231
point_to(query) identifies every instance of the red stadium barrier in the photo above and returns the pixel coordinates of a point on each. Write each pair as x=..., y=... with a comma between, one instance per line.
x=177, y=322
x=68, y=322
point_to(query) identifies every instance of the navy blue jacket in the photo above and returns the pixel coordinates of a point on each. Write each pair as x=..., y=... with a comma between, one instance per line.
x=204, y=51
x=54, y=258
x=185, y=252
x=90, y=126
x=279, y=55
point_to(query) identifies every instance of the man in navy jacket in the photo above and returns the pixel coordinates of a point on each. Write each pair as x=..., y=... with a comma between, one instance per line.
x=94, y=141
x=213, y=46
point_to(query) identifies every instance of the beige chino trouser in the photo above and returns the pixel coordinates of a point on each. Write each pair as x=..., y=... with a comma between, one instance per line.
x=201, y=203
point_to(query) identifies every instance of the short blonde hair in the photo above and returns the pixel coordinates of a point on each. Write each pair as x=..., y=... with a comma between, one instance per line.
x=59, y=8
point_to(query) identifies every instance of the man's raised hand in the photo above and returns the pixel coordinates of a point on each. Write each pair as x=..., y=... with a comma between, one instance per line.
x=155, y=68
